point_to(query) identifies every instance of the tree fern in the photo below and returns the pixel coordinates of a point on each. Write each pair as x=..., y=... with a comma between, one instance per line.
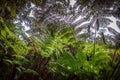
x=55, y=43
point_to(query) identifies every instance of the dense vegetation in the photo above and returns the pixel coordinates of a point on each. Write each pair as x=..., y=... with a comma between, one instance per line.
x=53, y=49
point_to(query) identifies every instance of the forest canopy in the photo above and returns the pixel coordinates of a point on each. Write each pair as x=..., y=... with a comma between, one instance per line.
x=59, y=40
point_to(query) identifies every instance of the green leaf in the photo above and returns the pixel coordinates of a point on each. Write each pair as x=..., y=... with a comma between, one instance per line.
x=30, y=71
x=8, y=61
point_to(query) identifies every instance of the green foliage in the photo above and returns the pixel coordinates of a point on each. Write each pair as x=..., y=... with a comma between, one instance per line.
x=57, y=40
x=63, y=57
x=30, y=71
x=12, y=51
x=10, y=41
x=85, y=64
